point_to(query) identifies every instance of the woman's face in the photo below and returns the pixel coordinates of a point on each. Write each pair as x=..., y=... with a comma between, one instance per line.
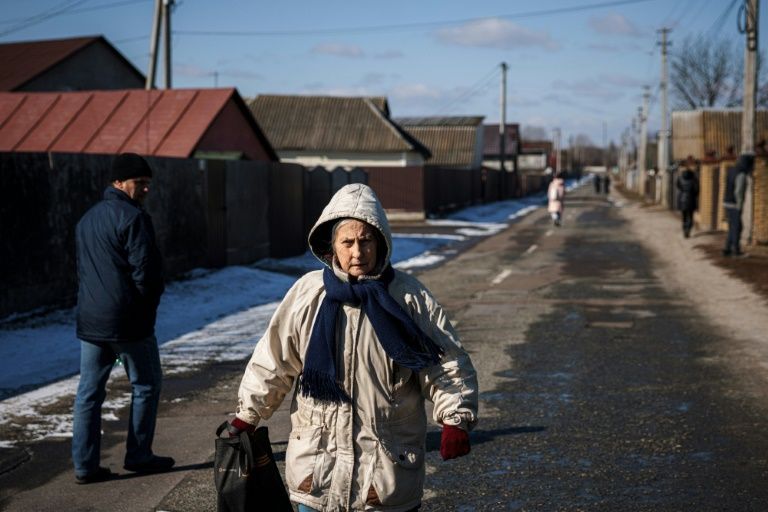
x=355, y=248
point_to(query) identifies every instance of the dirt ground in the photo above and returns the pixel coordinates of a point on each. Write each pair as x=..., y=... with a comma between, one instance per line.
x=752, y=269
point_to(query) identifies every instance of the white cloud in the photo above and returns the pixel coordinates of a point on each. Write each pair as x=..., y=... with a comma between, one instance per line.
x=410, y=92
x=614, y=24
x=338, y=50
x=590, y=88
x=495, y=33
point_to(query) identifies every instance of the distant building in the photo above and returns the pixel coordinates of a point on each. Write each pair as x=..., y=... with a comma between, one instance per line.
x=75, y=64
x=536, y=155
x=455, y=142
x=492, y=146
x=334, y=132
x=180, y=123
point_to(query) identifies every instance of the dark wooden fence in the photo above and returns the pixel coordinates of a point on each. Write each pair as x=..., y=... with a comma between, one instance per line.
x=207, y=213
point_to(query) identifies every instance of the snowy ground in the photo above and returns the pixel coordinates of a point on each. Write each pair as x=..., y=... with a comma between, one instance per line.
x=212, y=315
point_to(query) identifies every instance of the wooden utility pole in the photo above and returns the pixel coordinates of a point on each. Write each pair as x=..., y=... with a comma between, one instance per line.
x=750, y=73
x=167, y=7
x=751, y=17
x=663, y=158
x=643, y=139
x=605, y=146
x=503, y=133
x=153, y=44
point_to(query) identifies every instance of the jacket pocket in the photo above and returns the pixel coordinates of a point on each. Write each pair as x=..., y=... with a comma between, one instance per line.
x=398, y=476
x=303, y=459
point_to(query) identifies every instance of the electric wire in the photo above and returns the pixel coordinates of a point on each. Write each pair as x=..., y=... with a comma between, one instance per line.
x=407, y=26
x=473, y=89
x=43, y=16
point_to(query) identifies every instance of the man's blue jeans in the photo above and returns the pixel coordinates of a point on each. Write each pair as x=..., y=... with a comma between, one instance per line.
x=141, y=360
x=733, y=240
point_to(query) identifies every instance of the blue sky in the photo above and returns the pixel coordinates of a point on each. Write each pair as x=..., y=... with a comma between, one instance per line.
x=573, y=64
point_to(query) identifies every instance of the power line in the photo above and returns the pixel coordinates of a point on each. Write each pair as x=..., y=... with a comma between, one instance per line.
x=717, y=26
x=406, y=26
x=45, y=15
x=83, y=9
x=474, y=88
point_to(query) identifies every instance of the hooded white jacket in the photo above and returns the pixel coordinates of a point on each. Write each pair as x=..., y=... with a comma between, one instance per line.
x=367, y=455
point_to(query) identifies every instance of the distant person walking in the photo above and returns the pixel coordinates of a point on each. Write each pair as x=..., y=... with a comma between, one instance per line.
x=120, y=283
x=597, y=182
x=606, y=184
x=687, y=194
x=733, y=201
x=556, y=198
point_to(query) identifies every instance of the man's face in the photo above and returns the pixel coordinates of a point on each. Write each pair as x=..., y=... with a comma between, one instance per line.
x=136, y=188
x=355, y=248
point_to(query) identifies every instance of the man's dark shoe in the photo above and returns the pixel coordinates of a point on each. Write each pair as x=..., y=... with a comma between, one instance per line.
x=156, y=464
x=726, y=252
x=100, y=475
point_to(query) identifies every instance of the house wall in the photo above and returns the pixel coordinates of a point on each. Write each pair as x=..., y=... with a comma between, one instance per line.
x=331, y=159
x=528, y=161
x=94, y=67
x=230, y=131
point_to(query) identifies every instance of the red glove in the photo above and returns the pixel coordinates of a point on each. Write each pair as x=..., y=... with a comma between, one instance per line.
x=454, y=442
x=237, y=425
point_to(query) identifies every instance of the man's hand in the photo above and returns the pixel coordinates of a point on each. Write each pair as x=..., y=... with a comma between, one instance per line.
x=454, y=442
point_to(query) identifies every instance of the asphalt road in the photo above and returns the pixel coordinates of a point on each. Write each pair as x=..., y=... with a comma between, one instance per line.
x=607, y=383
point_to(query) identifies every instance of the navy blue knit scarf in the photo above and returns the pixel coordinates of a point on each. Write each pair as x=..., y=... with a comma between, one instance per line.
x=402, y=340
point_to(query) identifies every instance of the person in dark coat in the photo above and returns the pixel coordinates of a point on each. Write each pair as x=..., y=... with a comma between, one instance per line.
x=733, y=201
x=597, y=182
x=120, y=278
x=687, y=194
x=606, y=184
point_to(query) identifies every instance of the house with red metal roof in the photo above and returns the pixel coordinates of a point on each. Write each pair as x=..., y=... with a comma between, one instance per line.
x=73, y=64
x=180, y=123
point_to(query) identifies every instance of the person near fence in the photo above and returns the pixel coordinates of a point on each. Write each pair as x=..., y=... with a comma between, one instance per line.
x=556, y=198
x=597, y=181
x=120, y=281
x=687, y=194
x=736, y=179
x=365, y=344
x=606, y=184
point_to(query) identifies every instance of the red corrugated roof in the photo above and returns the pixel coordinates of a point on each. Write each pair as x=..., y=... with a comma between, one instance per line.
x=158, y=123
x=21, y=62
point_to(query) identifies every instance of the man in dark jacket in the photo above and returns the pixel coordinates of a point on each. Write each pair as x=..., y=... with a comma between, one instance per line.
x=733, y=201
x=687, y=194
x=120, y=283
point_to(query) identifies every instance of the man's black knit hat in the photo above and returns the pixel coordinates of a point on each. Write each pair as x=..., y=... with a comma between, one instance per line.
x=126, y=166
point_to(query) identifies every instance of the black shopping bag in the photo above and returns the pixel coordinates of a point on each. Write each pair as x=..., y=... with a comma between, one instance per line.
x=245, y=474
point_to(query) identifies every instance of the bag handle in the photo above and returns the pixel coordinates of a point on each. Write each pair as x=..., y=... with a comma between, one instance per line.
x=245, y=448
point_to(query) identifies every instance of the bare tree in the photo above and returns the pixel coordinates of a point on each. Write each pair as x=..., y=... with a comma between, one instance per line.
x=706, y=74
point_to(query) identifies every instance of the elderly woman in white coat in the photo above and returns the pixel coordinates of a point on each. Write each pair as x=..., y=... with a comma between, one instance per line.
x=365, y=345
